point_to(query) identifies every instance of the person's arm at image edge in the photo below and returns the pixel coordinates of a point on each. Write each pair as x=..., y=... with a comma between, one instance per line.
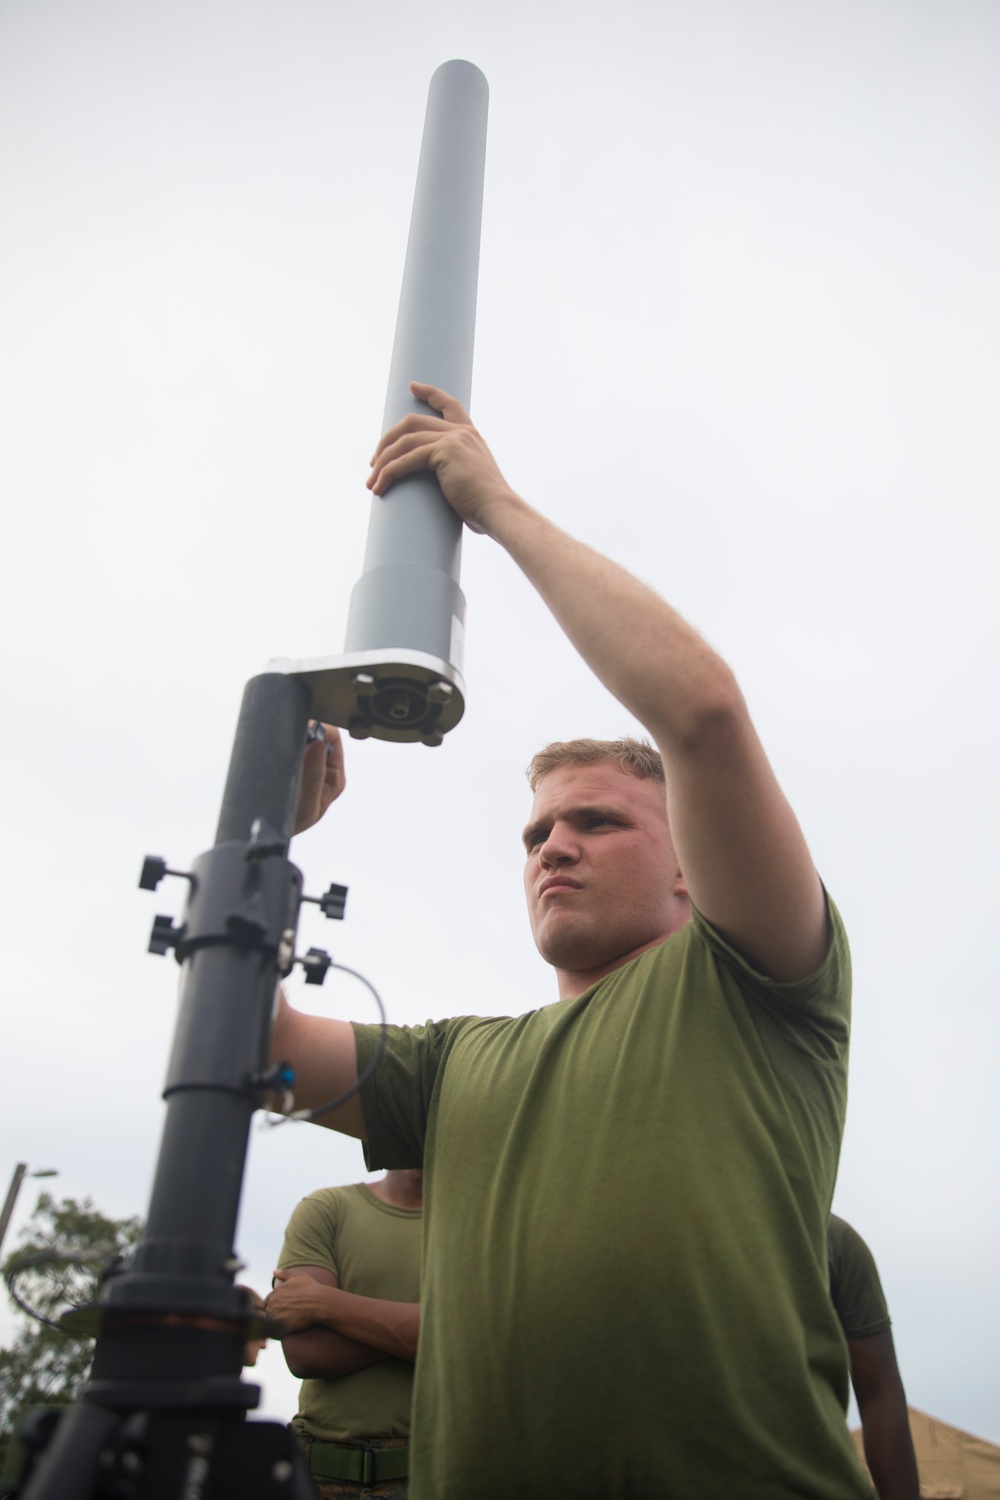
x=336, y=1328
x=885, y=1425
x=321, y=1050
x=744, y=858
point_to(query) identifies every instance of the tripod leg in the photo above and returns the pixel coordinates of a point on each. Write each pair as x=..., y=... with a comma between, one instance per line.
x=69, y=1467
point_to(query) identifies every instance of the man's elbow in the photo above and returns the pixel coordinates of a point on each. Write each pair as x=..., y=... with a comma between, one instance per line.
x=715, y=709
x=299, y=1366
x=304, y=1360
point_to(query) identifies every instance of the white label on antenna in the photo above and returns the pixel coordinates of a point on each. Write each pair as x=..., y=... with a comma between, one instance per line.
x=456, y=654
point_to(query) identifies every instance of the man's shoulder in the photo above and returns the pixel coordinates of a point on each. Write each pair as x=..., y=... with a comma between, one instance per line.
x=825, y=993
x=334, y=1194
x=855, y=1287
x=426, y=1046
x=328, y=1202
x=845, y=1247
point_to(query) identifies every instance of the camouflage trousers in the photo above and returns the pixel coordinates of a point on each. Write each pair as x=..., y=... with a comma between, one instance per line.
x=339, y=1489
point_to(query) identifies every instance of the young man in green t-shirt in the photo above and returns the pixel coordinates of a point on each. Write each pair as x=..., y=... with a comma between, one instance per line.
x=625, y=1288
x=348, y=1292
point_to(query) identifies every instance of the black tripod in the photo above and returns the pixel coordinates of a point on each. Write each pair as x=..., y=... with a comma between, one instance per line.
x=164, y=1412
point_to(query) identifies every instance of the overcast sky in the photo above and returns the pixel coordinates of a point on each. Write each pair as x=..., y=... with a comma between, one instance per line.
x=738, y=327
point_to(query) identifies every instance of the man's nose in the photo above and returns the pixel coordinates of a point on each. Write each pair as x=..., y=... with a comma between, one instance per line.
x=559, y=847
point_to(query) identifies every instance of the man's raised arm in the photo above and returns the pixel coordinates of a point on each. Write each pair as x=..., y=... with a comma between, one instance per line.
x=744, y=858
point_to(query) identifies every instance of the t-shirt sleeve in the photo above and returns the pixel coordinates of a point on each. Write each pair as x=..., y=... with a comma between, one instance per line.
x=815, y=1012
x=396, y=1100
x=310, y=1238
x=855, y=1288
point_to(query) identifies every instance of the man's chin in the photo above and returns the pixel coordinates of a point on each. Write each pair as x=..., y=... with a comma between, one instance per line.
x=563, y=949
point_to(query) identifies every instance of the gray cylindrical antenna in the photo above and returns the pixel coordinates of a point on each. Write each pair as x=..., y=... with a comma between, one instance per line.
x=401, y=675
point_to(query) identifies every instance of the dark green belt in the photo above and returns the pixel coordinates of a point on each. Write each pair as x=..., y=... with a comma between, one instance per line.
x=359, y=1465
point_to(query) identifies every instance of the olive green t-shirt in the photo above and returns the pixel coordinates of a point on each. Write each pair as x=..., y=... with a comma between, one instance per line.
x=373, y=1249
x=625, y=1279
x=854, y=1282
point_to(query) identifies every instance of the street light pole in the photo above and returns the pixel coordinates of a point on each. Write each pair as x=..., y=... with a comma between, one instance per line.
x=20, y=1173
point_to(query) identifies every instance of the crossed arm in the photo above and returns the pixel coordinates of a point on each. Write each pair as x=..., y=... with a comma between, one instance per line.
x=334, y=1333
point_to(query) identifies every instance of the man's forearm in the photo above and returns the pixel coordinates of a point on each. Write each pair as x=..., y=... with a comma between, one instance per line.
x=889, y=1454
x=393, y=1328
x=642, y=650
x=321, y=1354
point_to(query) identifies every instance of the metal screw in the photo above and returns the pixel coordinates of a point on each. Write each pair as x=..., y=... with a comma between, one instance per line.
x=399, y=704
x=286, y=949
x=439, y=692
x=363, y=684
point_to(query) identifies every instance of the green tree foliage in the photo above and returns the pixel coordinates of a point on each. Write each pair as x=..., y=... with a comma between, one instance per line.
x=44, y=1366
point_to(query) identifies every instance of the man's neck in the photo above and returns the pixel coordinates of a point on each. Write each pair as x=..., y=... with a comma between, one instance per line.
x=573, y=982
x=401, y=1189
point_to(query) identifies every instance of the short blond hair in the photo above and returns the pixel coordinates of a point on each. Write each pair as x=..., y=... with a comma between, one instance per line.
x=636, y=757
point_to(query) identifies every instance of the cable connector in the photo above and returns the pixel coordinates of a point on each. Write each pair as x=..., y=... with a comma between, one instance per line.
x=277, y=1079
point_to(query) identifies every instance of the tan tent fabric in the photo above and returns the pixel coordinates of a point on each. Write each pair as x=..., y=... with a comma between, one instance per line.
x=953, y=1464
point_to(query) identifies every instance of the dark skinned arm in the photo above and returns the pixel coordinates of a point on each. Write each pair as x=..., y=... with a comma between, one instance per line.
x=885, y=1426
x=318, y=1352
x=334, y=1333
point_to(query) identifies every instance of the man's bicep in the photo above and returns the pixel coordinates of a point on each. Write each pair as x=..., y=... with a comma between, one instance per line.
x=742, y=854
x=322, y=1274
x=324, y=1056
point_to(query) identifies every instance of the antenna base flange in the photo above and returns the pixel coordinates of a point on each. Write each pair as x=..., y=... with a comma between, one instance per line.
x=404, y=696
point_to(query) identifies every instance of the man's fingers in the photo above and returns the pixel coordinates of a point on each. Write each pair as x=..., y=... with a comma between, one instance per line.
x=451, y=409
x=415, y=425
x=406, y=454
x=323, y=777
x=336, y=776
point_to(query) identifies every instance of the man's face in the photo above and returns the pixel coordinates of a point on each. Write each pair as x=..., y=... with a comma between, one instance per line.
x=601, y=877
x=251, y=1349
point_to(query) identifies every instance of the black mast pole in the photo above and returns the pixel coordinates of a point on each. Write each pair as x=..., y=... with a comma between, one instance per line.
x=166, y=1401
